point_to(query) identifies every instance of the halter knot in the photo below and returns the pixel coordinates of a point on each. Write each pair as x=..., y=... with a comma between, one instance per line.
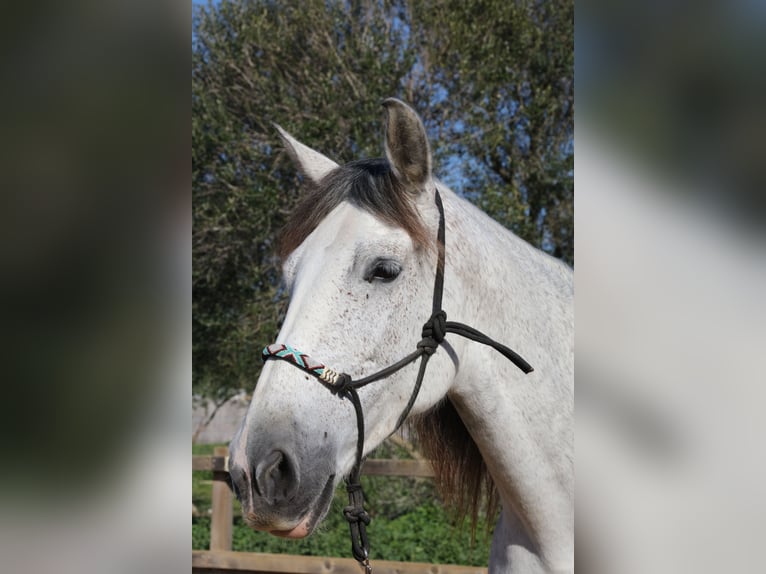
x=433, y=332
x=355, y=514
x=436, y=327
x=341, y=384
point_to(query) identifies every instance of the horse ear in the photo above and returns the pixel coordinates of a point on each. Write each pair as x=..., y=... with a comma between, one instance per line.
x=406, y=143
x=311, y=163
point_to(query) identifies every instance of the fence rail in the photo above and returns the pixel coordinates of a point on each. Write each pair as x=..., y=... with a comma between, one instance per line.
x=252, y=562
x=221, y=559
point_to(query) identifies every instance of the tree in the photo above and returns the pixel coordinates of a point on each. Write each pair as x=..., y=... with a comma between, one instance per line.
x=493, y=82
x=501, y=81
x=322, y=74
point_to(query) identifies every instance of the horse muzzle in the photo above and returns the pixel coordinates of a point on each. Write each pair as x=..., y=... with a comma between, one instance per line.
x=282, y=492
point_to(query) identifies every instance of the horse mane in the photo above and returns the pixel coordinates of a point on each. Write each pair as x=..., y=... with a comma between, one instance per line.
x=369, y=184
x=460, y=473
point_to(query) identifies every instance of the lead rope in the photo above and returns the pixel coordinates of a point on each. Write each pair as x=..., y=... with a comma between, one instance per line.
x=342, y=385
x=354, y=513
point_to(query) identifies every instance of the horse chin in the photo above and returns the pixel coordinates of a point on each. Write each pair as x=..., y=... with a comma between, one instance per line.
x=301, y=531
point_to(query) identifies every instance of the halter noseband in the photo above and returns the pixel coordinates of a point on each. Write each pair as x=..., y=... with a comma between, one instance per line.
x=341, y=384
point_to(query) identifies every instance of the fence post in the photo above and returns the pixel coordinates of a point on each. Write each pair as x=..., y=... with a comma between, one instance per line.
x=221, y=522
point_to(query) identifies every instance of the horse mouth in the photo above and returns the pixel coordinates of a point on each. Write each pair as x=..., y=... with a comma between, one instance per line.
x=321, y=507
x=318, y=510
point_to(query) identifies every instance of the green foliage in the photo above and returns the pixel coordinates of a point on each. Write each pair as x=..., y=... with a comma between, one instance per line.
x=202, y=481
x=493, y=81
x=503, y=76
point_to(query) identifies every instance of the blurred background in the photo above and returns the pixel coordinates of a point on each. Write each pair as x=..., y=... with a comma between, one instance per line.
x=670, y=283
x=96, y=267
x=670, y=270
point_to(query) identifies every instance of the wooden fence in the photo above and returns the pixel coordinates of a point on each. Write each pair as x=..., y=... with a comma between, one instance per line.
x=220, y=558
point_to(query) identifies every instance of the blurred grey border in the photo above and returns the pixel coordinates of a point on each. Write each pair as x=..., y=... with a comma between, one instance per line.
x=670, y=284
x=96, y=276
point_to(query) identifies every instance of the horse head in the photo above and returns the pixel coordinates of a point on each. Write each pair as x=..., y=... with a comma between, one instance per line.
x=359, y=260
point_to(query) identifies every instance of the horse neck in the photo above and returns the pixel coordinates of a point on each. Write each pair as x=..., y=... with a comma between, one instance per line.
x=522, y=424
x=503, y=286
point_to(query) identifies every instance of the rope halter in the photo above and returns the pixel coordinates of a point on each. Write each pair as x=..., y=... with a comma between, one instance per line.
x=345, y=387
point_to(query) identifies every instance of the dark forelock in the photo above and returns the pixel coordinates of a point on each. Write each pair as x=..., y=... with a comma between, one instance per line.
x=369, y=184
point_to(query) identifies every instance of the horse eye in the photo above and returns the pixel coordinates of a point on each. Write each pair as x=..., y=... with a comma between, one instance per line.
x=385, y=270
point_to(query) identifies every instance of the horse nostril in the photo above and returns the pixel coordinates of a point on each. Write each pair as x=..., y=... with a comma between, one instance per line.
x=276, y=477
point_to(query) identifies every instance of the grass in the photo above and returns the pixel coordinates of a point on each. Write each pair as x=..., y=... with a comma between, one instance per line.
x=409, y=522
